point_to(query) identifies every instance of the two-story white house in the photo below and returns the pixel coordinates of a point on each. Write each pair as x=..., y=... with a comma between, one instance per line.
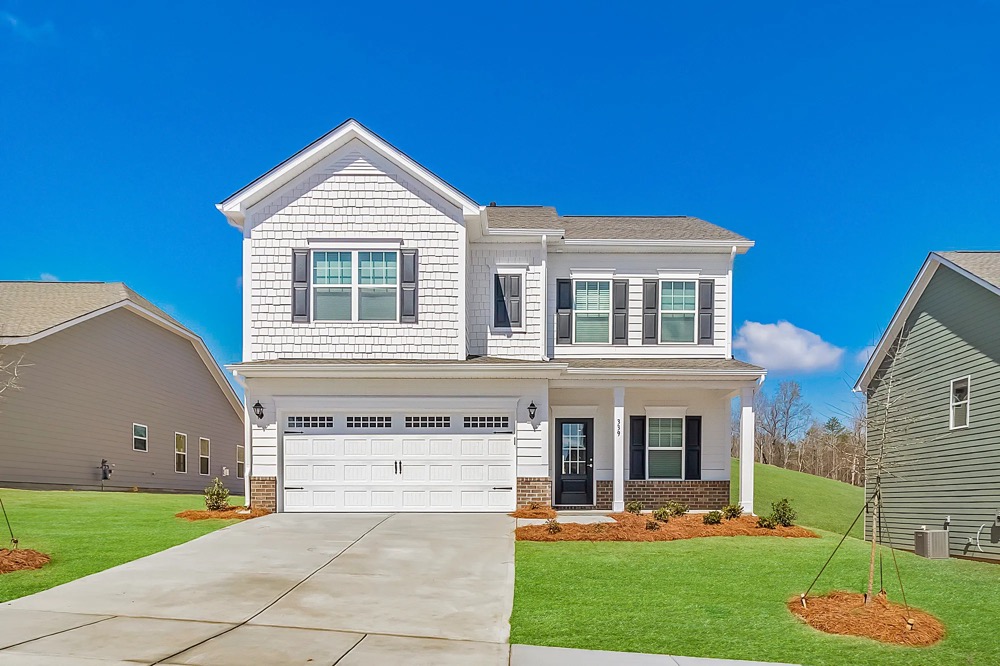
x=406, y=349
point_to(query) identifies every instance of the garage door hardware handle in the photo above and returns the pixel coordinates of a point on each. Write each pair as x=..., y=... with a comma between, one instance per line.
x=293, y=488
x=503, y=487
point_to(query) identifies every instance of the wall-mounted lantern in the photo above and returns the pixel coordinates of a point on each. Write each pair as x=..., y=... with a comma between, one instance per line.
x=258, y=409
x=532, y=410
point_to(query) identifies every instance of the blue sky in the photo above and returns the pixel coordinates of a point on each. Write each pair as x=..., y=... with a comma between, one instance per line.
x=847, y=139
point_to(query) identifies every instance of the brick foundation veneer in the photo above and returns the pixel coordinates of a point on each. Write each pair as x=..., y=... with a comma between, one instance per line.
x=263, y=492
x=699, y=495
x=534, y=489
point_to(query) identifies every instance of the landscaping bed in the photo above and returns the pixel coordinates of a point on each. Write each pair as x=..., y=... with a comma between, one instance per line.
x=235, y=512
x=635, y=527
x=847, y=614
x=530, y=511
x=20, y=560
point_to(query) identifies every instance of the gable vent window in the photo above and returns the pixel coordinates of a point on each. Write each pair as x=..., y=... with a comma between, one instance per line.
x=296, y=422
x=496, y=422
x=428, y=421
x=369, y=421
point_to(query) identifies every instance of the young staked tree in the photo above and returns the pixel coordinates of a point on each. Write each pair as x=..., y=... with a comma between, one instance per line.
x=11, y=366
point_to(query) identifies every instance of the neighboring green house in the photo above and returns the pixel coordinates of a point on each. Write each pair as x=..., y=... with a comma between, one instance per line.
x=933, y=389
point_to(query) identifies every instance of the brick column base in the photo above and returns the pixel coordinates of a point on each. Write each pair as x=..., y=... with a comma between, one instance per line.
x=534, y=489
x=263, y=492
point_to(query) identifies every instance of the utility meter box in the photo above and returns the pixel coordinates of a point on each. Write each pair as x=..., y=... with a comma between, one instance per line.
x=932, y=544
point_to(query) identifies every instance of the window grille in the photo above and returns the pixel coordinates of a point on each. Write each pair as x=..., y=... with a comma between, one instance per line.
x=369, y=421
x=428, y=421
x=310, y=422
x=496, y=422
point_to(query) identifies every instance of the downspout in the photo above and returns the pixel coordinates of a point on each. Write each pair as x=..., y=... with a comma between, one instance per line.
x=247, y=452
x=545, y=297
x=729, y=304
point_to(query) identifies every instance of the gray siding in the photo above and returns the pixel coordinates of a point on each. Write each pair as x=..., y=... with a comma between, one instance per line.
x=935, y=472
x=84, y=388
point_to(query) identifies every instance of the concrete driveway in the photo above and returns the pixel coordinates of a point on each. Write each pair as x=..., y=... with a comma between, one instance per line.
x=287, y=589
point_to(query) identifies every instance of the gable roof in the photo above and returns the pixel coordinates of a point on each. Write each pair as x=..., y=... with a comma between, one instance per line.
x=982, y=268
x=30, y=311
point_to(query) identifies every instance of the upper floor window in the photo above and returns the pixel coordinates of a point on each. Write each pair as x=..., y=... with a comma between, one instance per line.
x=355, y=286
x=140, y=437
x=592, y=311
x=960, y=403
x=507, y=300
x=677, y=311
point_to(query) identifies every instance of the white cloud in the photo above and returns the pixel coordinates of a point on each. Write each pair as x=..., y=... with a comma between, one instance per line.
x=35, y=34
x=864, y=354
x=48, y=277
x=786, y=347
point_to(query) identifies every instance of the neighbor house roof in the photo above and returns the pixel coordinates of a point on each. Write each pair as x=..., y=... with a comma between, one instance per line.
x=982, y=268
x=33, y=310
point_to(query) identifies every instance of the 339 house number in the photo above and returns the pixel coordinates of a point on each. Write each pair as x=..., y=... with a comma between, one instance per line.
x=618, y=426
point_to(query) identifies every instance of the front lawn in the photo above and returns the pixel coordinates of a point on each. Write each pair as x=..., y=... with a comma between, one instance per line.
x=87, y=532
x=725, y=597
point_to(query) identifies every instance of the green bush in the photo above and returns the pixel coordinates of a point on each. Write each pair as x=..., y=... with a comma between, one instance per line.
x=732, y=511
x=216, y=496
x=767, y=522
x=635, y=507
x=712, y=518
x=652, y=525
x=676, y=508
x=662, y=514
x=553, y=526
x=782, y=512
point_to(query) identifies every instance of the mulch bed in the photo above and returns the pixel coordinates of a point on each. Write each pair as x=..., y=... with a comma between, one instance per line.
x=631, y=527
x=845, y=613
x=237, y=512
x=528, y=512
x=19, y=560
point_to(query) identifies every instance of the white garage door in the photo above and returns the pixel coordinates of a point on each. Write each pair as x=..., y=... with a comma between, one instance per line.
x=394, y=472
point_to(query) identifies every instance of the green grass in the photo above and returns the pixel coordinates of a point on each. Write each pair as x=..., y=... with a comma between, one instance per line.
x=87, y=532
x=822, y=503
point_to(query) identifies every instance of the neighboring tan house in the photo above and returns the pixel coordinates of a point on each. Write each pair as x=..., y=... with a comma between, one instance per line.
x=106, y=375
x=410, y=350
x=939, y=363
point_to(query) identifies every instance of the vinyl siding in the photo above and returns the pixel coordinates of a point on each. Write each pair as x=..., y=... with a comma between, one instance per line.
x=935, y=472
x=84, y=387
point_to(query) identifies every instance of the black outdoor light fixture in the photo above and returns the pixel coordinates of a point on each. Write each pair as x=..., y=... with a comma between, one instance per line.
x=532, y=410
x=258, y=409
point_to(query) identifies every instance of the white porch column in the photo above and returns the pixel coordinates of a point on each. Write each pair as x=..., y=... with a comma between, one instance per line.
x=746, y=448
x=618, y=478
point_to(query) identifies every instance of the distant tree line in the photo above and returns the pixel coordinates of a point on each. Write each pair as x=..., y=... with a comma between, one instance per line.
x=787, y=435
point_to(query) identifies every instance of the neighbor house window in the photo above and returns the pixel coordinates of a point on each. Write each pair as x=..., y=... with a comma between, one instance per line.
x=180, y=453
x=140, y=439
x=677, y=311
x=592, y=311
x=355, y=286
x=960, y=403
x=241, y=461
x=665, y=448
x=204, y=455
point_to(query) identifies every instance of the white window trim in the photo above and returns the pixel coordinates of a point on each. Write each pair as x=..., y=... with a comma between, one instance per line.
x=660, y=312
x=609, y=311
x=355, y=285
x=145, y=439
x=209, y=456
x=501, y=269
x=952, y=404
x=667, y=413
x=184, y=435
x=243, y=448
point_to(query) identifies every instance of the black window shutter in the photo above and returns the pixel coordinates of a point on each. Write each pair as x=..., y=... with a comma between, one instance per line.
x=692, y=448
x=619, y=317
x=564, y=311
x=501, y=286
x=408, y=287
x=513, y=299
x=300, y=285
x=637, y=447
x=706, y=312
x=650, y=295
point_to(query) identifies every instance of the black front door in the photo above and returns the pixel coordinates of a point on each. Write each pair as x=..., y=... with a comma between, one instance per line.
x=575, y=463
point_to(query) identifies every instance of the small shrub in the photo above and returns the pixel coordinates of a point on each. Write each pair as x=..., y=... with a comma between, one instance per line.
x=732, y=511
x=783, y=513
x=635, y=507
x=552, y=526
x=712, y=518
x=767, y=522
x=534, y=506
x=216, y=496
x=676, y=508
x=662, y=514
x=652, y=525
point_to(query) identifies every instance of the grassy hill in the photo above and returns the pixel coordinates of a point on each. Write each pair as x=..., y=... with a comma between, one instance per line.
x=822, y=503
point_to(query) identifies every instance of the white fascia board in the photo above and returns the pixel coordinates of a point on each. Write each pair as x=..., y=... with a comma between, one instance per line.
x=740, y=247
x=236, y=205
x=395, y=402
x=511, y=370
x=659, y=372
x=533, y=234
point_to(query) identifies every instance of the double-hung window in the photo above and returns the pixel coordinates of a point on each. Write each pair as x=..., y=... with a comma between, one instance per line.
x=677, y=311
x=241, y=461
x=959, y=403
x=140, y=437
x=665, y=448
x=592, y=311
x=355, y=285
x=204, y=455
x=180, y=453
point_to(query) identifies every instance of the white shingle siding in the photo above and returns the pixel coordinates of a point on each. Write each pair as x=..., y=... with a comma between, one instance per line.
x=485, y=260
x=355, y=196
